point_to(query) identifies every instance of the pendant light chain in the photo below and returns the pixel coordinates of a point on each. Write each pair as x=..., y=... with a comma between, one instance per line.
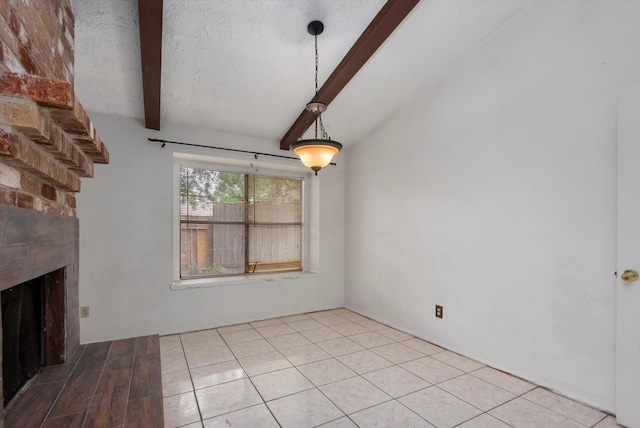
x=317, y=63
x=323, y=132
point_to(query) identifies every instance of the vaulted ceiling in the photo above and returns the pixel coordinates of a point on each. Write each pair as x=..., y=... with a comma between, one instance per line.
x=247, y=66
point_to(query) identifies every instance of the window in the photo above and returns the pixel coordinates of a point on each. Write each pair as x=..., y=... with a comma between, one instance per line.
x=238, y=223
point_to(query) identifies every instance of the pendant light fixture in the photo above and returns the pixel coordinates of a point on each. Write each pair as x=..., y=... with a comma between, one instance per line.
x=316, y=153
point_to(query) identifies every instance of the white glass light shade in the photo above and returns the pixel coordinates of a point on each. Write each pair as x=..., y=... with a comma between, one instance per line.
x=316, y=154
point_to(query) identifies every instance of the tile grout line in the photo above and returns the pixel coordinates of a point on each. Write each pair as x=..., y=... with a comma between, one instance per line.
x=133, y=364
x=93, y=396
x=393, y=399
x=195, y=396
x=549, y=409
x=134, y=357
x=264, y=402
x=63, y=386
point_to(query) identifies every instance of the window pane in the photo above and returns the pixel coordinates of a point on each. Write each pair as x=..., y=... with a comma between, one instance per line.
x=273, y=248
x=233, y=212
x=228, y=255
x=197, y=182
x=275, y=199
x=188, y=249
x=211, y=250
x=196, y=208
x=229, y=188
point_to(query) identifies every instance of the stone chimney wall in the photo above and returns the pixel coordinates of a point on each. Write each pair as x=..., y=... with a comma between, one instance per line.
x=47, y=141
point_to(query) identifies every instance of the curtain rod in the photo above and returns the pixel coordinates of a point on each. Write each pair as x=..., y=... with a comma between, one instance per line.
x=255, y=154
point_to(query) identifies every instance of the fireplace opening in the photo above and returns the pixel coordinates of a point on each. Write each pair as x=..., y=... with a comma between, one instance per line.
x=33, y=329
x=22, y=334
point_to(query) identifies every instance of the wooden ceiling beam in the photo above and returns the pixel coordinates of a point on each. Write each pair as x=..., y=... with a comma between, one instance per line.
x=150, y=23
x=385, y=22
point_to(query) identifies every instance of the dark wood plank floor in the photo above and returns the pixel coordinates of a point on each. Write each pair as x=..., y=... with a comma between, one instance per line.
x=106, y=384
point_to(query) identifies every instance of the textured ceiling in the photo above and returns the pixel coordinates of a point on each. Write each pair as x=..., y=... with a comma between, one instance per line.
x=246, y=66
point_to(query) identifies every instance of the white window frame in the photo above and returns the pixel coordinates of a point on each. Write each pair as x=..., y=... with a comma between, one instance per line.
x=309, y=268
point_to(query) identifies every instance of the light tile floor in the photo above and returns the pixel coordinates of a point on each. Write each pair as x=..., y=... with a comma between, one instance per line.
x=337, y=369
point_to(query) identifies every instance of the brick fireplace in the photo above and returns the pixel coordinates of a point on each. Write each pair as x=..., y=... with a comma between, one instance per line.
x=47, y=144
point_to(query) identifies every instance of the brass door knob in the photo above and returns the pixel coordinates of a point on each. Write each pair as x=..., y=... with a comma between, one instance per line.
x=629, y=275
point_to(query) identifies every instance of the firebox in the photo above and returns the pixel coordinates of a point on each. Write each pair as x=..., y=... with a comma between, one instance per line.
x=22, y=334
x=32, y=329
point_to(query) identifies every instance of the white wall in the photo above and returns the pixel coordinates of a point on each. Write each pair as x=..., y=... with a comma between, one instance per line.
x=493, y=194
x=126, y=240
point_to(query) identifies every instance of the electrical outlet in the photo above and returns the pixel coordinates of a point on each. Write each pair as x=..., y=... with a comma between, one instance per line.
x=84, y=311
x=438, y=311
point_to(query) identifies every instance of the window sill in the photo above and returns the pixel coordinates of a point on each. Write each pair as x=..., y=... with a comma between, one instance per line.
x=179, y=285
